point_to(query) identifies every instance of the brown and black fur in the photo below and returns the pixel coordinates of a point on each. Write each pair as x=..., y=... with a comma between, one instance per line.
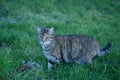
x=69, y=48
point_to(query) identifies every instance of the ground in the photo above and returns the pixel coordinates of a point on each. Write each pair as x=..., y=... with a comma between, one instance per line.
x=18, y=37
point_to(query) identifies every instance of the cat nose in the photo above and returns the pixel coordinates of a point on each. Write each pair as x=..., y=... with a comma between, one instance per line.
x=43, y=41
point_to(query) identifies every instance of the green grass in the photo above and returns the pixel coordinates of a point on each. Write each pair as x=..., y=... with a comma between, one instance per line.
x=97, y=18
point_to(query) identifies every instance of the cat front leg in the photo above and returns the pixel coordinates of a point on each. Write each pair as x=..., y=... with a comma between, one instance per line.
x=49, y=65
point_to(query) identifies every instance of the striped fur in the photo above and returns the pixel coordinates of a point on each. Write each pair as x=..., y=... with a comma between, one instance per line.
x=67, y=48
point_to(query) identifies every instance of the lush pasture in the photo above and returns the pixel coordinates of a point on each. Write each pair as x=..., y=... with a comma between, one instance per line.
x=18, y=37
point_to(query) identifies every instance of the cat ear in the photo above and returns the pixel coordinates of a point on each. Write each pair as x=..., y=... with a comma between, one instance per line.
x=38, y=30
x=51, y=30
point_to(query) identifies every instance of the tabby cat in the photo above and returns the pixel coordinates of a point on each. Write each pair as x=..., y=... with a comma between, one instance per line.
x=76, y=48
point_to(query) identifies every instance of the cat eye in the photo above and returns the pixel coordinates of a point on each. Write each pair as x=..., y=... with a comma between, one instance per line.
x=51, y=37
x=40, y=37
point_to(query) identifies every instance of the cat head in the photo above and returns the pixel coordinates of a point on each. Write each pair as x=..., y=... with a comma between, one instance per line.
x=45, y=36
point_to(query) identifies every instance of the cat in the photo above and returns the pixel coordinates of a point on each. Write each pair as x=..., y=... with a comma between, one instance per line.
x=77, y=48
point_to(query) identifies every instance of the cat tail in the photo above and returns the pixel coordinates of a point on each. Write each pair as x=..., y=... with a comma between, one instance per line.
x=104, y=50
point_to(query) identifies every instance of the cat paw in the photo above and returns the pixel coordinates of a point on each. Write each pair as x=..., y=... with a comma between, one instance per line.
x=89, y=61
x=50, y=66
